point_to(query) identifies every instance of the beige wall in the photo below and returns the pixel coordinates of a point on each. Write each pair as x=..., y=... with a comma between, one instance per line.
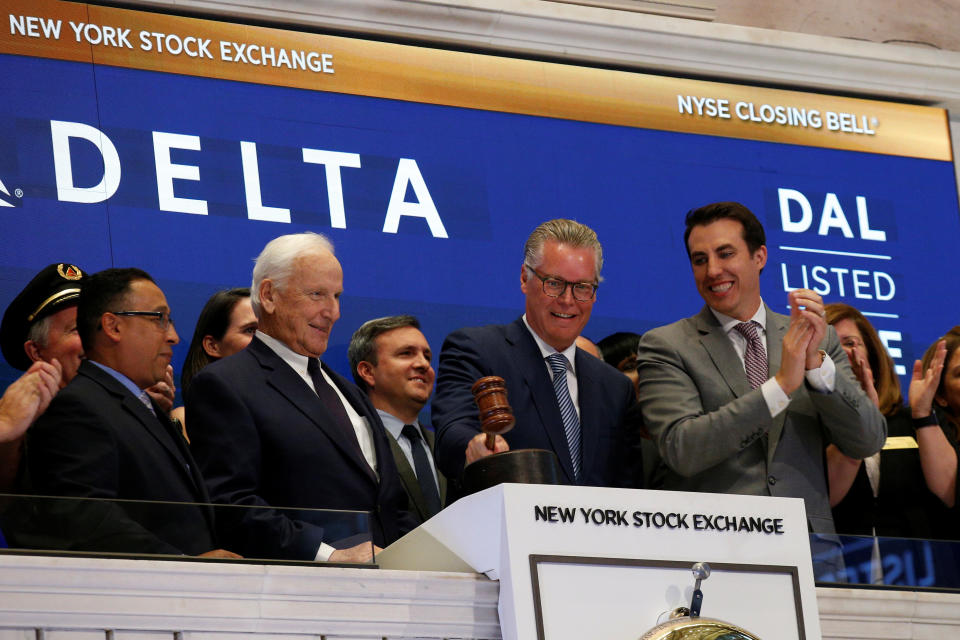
x=854, y=47
x=934, y=24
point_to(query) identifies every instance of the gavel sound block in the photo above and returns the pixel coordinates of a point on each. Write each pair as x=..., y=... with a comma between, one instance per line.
x=525, y=466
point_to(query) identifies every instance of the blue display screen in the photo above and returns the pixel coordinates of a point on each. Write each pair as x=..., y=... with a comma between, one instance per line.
x=429, y=206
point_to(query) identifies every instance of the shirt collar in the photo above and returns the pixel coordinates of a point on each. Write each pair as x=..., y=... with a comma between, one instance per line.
x=296, y=360
x=728, y=323
x=569, y=353
x=122, y=379
x=394, y=424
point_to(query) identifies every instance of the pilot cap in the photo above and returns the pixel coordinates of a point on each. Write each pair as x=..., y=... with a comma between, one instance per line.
x=56, y=287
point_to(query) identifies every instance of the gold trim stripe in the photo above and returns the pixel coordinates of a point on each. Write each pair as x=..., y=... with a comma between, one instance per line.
x=486, y=82
x=65, y=294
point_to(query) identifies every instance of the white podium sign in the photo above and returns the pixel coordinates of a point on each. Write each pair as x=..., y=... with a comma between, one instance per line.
x=585, y=562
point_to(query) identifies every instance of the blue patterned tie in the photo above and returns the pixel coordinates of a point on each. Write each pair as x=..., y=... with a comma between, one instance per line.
x=144, y=397
x=571, y=422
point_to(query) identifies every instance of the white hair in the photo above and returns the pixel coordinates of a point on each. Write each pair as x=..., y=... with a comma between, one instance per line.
x=39, y=331
x=276, y=260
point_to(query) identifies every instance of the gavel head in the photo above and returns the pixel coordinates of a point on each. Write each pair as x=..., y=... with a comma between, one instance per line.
x=490, y=394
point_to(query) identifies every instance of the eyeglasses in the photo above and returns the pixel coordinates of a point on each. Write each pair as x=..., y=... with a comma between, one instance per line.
x=161, y=318
x=555, y=287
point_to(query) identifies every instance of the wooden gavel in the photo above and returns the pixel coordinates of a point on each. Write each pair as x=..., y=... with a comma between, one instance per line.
x=496, y=416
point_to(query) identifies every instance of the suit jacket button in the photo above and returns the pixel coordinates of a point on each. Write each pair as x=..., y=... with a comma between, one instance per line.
x=771, y=480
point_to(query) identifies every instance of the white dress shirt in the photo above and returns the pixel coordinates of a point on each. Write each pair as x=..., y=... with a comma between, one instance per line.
x=822, y=379
x=569, y=355
x=362, y=428
x=394, y=427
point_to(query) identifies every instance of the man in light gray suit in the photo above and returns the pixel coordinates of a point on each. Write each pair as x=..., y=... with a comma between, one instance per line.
x=739, y=399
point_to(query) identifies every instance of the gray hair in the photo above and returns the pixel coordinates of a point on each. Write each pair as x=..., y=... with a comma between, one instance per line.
x=568, y=232
x=276, y=260
x=363, y=344
x=40, y=331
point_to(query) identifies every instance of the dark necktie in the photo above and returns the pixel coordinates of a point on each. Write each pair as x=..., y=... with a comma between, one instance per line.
x=755, y=357
x=423, y=469
x=169, y=428
x=571, y=421
x=333, y=404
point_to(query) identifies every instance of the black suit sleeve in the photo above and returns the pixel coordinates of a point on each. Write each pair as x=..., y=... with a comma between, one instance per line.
x=226, y=444
x=72, y=452
x=453, y=412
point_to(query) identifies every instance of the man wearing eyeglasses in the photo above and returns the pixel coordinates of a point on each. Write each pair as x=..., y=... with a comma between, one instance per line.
x=104, y=437
x=564, y=400
x=38, y=334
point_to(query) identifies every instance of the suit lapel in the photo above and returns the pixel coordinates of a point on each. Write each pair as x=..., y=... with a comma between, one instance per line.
x=714, y=339
x=587, y=395
x=409, y=479
x=151, y=423
x=358, y=400
x=531, y=365
x=777, y=326
x=441, y=480
x=284, y=380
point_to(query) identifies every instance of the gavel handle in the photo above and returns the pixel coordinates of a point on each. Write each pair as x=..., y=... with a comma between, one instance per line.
x=491, y=442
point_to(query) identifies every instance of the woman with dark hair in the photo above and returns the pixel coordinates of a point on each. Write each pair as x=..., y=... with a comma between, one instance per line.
x=620, y=350
x=947, y=398
x=905, y=489
x=226, y=325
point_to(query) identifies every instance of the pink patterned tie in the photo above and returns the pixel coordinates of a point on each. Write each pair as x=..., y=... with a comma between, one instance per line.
x=755, y=357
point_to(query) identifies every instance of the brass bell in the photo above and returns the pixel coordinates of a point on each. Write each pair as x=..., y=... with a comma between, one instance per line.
x=687, y=628
x=685, y=623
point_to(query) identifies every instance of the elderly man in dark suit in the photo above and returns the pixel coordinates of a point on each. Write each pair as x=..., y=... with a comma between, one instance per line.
x=272, y=426
x=104, y=437
x=564, y=399
x=390, y=360
x=38, y=334
x=740, y=399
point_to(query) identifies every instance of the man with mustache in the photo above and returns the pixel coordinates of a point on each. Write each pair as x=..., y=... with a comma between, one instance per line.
x=104, y=437
x=39, y=335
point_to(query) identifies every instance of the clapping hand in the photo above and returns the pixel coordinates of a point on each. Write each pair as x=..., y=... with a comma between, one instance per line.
x=923, y=384
x=28, y=397
x=861, y=369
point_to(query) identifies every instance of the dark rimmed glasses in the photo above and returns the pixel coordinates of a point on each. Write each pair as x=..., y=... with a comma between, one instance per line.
x=161, y=318
x=555, y=287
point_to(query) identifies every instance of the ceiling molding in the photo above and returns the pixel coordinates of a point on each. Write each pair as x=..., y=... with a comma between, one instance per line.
x=626, y=39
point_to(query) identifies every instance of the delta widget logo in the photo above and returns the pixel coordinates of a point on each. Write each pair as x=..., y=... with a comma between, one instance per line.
x=8, y=200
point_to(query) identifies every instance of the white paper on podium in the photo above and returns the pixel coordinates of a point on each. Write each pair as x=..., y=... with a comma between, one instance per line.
x=597, y=562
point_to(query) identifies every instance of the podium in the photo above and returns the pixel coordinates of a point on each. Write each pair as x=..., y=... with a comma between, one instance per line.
x=587, y=562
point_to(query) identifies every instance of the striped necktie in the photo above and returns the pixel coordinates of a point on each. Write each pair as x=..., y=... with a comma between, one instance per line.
x=571, y=421
x=755, y=357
